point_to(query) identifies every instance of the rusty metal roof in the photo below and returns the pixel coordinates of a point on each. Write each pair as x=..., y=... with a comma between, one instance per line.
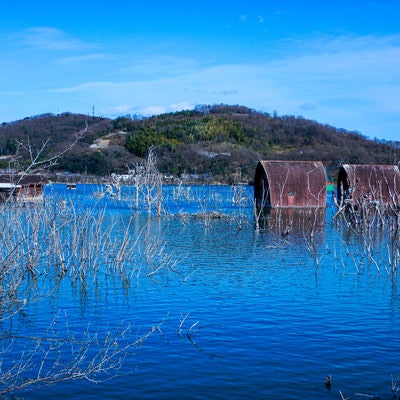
x=369, y=182
x=291, y=183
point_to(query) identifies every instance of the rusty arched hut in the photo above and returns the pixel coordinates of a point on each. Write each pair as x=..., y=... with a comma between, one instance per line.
x=359, y=183
x=288, y=184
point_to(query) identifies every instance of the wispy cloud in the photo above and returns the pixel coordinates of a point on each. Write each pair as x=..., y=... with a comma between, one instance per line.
x=49, y=38
x=84, y=58
x=160, y=65
x=13, y=93
x=346, y=81
x=161, y=109
x=84, y=87
x=363, y=70
x=146, y=110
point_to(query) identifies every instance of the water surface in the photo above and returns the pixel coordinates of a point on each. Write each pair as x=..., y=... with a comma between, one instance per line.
x=244, y=314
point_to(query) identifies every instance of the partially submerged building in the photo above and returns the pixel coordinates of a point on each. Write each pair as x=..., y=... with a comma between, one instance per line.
x=27, y=187
x=358, y=184
x=290, y=184
x=293, y=220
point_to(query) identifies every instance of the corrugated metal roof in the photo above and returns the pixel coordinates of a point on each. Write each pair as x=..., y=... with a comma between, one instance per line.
x=360, y=183
x=290, y=183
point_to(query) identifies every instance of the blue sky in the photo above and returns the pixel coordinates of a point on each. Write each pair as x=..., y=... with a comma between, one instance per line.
x=335, y=62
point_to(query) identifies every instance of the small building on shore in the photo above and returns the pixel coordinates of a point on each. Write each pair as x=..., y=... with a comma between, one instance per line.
x=24, y=187
x=289, y=184
x=357, y=184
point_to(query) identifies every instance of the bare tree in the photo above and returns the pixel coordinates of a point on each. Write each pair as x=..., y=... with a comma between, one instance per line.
x=152, y=183
x=147, y=181
x=51, y=358
x=58, y=239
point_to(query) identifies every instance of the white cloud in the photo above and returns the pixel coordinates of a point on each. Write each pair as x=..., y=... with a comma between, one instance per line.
x=344, y=82
x=146, y=111
x=349, y=82
x=84, y=59
x=162, y=65
x=152, y=110
x=49, y=38
x=85, y=87
x=13, y=93
x=117, y=110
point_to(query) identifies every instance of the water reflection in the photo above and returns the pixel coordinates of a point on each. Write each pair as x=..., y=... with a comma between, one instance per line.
x=297, y=220
x=304, y=225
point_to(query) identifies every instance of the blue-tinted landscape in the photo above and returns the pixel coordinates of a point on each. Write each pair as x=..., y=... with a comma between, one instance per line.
x=199, y=304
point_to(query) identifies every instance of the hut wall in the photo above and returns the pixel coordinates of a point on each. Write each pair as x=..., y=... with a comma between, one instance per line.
x=376, y=183
x=261, y=187
x=290, y=184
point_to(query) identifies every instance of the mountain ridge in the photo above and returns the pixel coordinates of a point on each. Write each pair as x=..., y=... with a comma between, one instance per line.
x=214, y=141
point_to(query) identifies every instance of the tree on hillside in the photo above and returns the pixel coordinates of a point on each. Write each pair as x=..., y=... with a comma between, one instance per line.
x=184, y=140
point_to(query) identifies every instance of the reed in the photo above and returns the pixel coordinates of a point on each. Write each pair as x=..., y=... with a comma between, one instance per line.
x=53, y=242
x=58, y=240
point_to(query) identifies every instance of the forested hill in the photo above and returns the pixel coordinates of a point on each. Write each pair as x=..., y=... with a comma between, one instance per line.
x=219, y=143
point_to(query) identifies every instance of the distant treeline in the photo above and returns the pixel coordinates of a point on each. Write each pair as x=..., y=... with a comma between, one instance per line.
x=222, y=142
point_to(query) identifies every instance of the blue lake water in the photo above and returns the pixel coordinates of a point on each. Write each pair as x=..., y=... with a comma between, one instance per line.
x=243, y=313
